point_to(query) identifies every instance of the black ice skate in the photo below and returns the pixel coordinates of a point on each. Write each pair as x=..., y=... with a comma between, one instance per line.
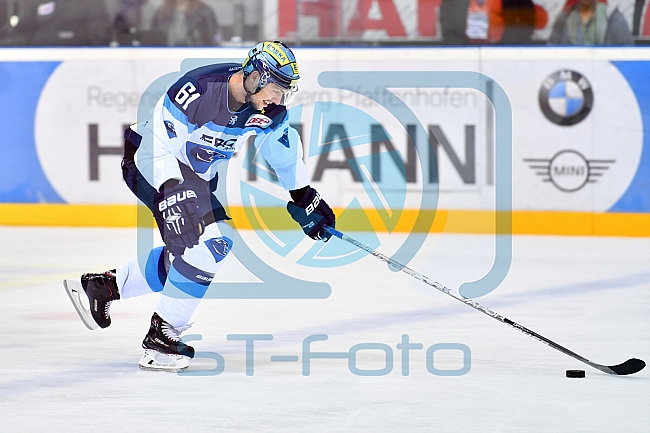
x=163, y=348
x=101, y=291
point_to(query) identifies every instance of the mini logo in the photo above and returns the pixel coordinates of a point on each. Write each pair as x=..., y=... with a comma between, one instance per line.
x=566, y=97
x=258, y=120
x=569, y=170
x=232, y=120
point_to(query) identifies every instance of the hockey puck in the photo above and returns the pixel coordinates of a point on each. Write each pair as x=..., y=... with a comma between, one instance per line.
x=575, y=373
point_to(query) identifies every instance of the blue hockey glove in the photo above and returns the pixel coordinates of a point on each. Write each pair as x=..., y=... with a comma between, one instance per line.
x=177, y=213
x=312, y=213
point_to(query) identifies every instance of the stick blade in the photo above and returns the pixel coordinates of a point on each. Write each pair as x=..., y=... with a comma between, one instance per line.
x=631, y=366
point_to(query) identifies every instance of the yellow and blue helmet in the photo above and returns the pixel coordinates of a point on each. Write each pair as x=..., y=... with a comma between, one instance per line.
x=275, y=63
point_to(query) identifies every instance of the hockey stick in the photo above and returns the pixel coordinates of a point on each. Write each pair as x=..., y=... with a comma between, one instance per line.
x=630, y=366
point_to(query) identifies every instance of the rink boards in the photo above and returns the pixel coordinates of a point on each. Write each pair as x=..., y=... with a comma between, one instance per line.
x=557, y=136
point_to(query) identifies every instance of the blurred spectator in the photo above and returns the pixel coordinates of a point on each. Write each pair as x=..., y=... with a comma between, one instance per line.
x=4, y=16
x=587, y=22
x=519, y=19
x=186, y=22
x=487, y=21
x=127, y=22
x=59, y=22
x=453, y=21
x=641, y=20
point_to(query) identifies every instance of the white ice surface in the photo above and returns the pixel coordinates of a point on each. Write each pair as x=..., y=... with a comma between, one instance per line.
x=591, y=295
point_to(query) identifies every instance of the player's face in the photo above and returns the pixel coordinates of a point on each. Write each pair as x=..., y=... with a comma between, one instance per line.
x=270, y=94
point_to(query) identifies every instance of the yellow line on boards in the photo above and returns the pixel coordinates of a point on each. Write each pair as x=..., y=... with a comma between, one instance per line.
x=445, y=221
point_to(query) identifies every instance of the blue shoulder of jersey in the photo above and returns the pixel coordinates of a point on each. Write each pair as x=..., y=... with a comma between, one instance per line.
x=193, y=82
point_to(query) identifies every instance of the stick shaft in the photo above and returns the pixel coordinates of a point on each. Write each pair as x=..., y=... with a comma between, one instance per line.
x=467, y=301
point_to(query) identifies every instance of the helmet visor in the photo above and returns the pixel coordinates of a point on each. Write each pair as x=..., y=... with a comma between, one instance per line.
x=288, y=95
x=283, y=93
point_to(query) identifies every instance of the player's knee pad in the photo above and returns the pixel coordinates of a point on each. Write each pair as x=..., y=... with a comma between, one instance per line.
x=214, y=245
x=188, y=279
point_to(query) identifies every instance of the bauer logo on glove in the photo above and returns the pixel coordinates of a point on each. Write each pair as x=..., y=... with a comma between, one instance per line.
x=312, y=213
x=173, y=199
x=313, y=205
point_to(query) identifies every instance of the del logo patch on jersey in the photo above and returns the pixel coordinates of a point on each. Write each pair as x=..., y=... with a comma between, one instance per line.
x=258, y=120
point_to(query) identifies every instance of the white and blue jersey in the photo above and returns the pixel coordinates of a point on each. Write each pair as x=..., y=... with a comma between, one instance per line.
x=193, y=124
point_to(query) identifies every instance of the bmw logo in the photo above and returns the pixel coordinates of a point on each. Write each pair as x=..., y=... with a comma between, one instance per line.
x=566, y=97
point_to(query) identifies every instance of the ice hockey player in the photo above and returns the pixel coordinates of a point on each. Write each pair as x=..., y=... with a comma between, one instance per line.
x=170, y=164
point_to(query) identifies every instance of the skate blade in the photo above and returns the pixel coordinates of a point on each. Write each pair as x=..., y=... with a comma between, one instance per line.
x=156, y=361
x=74, y=290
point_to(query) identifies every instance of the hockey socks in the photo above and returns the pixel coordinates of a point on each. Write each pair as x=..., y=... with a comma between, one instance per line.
x=145, y=275
x=183, y=291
